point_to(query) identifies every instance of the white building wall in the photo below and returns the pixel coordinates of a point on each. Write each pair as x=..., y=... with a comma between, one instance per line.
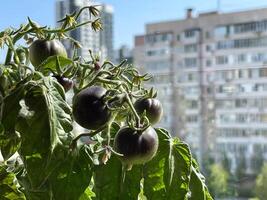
x=230, y=49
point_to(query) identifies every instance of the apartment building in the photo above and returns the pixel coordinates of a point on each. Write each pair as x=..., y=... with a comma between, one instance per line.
x=210, y=71
x=99, y=42
x=123, y=53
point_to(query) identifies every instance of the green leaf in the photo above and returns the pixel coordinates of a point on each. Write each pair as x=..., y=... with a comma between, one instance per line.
x=9, y=144
x=198, y=187
x=54, y=62
x=167, y=175
x=46, y=127
x=71, y=178
x=9, y=188
x=112, y=182
x=88, y=193
x=9, y=139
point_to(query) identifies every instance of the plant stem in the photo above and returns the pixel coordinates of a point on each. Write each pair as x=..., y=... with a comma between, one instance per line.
x=91, y=134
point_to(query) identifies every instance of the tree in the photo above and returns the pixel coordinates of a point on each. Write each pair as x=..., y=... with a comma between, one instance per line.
x=257, y=160
x=226, y=163
x=261, y=183
x=218, y=180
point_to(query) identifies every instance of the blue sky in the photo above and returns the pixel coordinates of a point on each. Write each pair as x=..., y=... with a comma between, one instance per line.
x=130, y=15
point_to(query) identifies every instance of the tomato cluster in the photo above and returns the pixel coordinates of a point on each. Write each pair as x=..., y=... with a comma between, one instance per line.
x=91, y=111
x=137, y=146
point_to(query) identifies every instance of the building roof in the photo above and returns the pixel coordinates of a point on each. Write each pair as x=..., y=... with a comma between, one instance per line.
x=206, y=19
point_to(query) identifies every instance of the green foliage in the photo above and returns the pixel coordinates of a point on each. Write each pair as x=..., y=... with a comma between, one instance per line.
x=54, y=163
x=261, y=183
x=218, y=180
x=8, y=186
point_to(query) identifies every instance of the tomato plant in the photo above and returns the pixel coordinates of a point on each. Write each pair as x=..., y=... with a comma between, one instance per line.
x=118, y=156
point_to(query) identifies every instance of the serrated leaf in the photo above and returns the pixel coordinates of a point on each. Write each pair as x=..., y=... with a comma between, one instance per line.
x=110, y=182
x=45, y=129
x=198, y=187
x=53, y=62
x=167, y=175
x=71, y=178
x=9, y=189
x=9, y=139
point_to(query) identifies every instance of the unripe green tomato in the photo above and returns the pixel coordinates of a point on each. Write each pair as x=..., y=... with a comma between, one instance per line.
x=40, y=50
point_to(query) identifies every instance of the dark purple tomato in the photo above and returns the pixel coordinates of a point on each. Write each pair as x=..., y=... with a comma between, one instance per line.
x=89, y=109
x=40, y=50
x=152, y=107
x=137, y=147
x=65, y=82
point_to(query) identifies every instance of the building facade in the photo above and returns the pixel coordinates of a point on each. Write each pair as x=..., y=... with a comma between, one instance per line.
x=123, y=53
x=211, y=74
x=100, y=42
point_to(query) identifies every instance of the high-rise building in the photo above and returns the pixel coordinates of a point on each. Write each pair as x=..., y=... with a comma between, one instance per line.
x=211, y=75
x=99, y=42
x=123, y=53
x=106, y=35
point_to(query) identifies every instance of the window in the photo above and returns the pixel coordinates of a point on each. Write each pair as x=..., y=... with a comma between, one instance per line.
x=208, y=48
x=258, y=57
x=251, y=27
x=225, y=104
x=190, y=48
x=225, y=44
x=191, y=90
x=158, y=37
x=192, y=104
x=263, y=72
x=192, y=77
x=241, y=58
x=210, y=77
x=191, y=118
x=221, y=60
x=242, y=43
x=208, y=63
x=190, y=33
x=244, y=73
x=223, y=30
x=254, y=73
x=178, y=37
x=159, y=65
x=158, y=52
x=190, y=62
x=151, y=53
x=227, y=118
x=241, y=103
